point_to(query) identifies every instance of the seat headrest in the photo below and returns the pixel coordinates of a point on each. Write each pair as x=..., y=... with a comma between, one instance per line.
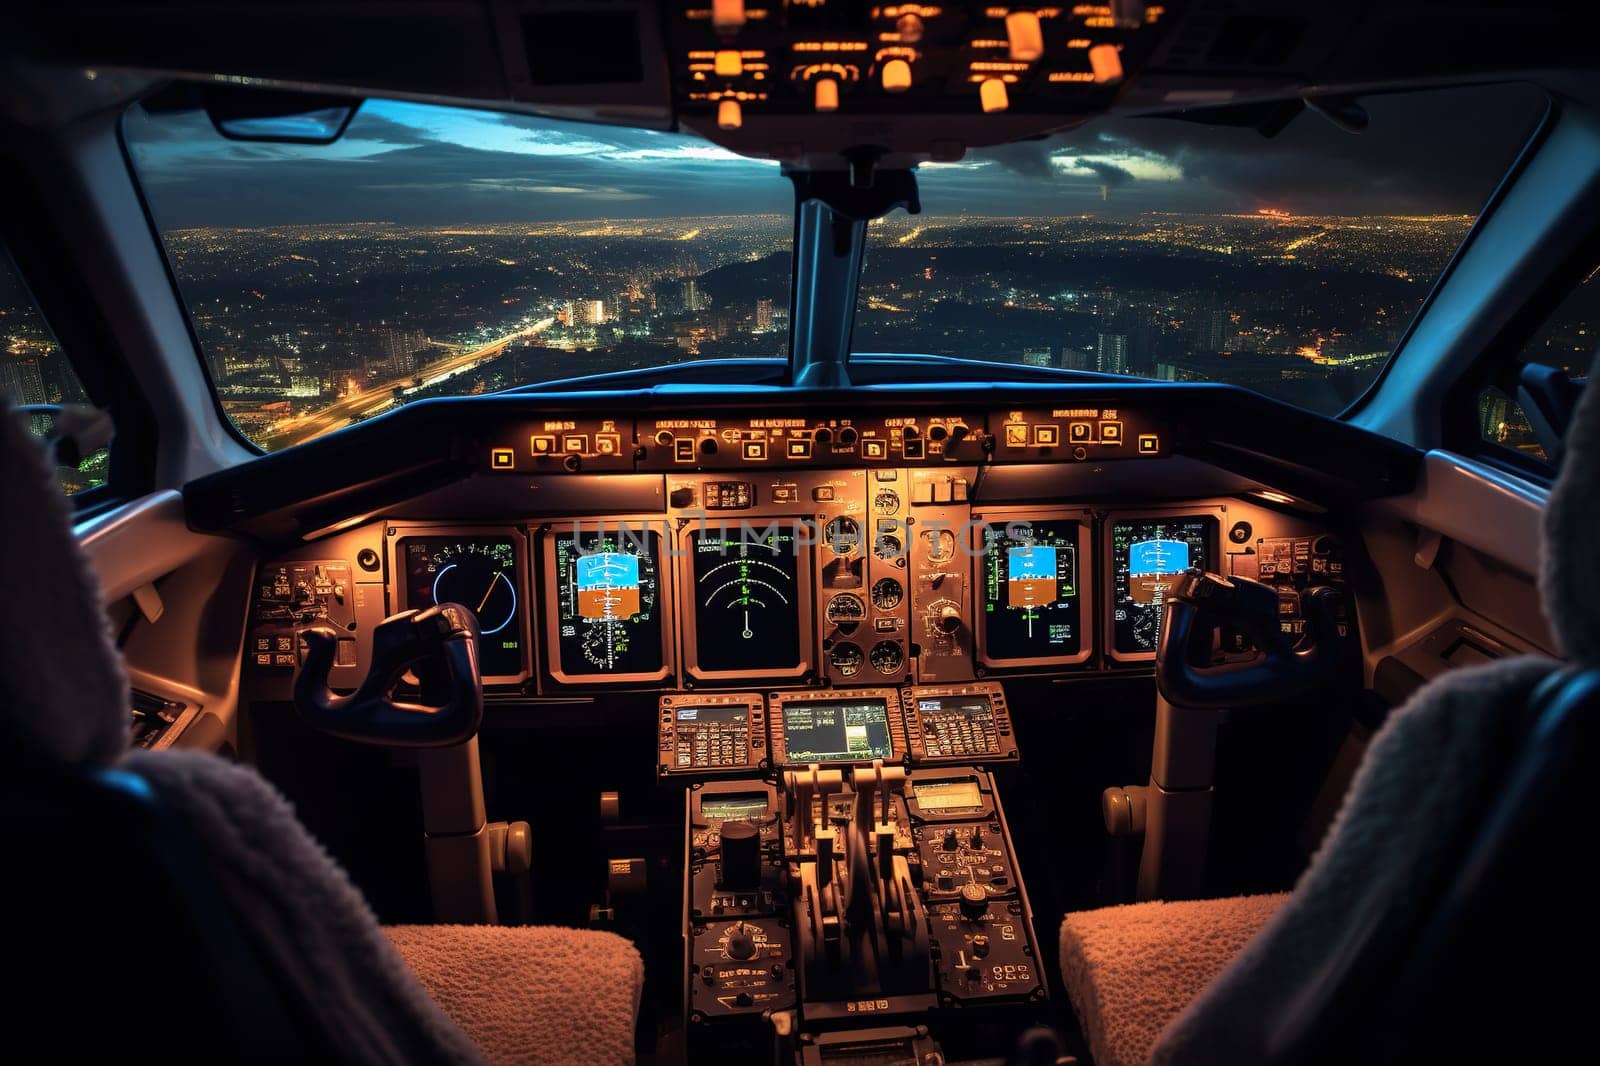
x=63, y=693
x=1569, y=579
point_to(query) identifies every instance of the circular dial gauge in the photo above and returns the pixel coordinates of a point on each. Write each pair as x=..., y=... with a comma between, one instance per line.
x=478, y=575
x=846, y=611
x=887, y=656
x=940, y=544
x=887, y=501
x=887, y=594
x=846, y=658
x=889, y=546
x=843, y=535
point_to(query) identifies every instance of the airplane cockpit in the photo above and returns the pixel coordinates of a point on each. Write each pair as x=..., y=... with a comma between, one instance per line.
x=806, y=532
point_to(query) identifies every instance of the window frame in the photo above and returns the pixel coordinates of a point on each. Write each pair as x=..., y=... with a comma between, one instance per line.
x=64, y=297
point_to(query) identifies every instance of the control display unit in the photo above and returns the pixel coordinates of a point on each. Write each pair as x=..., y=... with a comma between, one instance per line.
x=1148, y=552
x=1032, y=586
x=750, y=590
x=839, y=726
x=605, y=609
x=713, y=733
x=482, y=572
x=958, y=723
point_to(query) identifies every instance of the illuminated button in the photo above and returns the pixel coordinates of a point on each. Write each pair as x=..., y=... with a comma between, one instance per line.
x=502, y=458
x=1016, y=435
x=263, y=658
x=683, y=450
x=729, y=116
x=1047, y=436
x=575, y=442
x=755, y=449
x=543, y=444
x=992, y=94
x=896, y=76
x=874, y=449
x=1149, y=444
x=1106, y=62
x=799, y=449
x=1078, y=432
x=1024, y=36
x=607, y=443
x=822, y=494
x=1111, y=433
x=826, y=95
x=283, y=660
x=727, y=64
x=727, y=14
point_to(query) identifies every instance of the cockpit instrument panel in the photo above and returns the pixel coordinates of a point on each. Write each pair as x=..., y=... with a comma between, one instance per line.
x=958, y=723
x=1148, y=552
x=1032, y=585
x=835, y=726
x=712, y=733
x=749, y=585
x=482, y=571
x=605, y=609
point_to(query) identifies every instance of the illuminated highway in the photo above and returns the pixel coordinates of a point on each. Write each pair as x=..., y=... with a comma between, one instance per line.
x=362, y=405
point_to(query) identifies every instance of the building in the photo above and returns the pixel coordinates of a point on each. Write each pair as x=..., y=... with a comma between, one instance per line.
x=586, y=312
x=1075, y=358
x=1220, y=333
x=1036, y=357
x=690, y=298
x=763, y=315
x=1111, y=353
x=21, y=382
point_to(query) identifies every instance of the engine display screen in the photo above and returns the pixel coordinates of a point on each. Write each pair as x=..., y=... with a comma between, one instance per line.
x=734, y=806
x=746, y=600
x=1147, y=555
x=947, y=795
x=484, y=575
x=1030, y=590
x=608, y=618
x=837, y=731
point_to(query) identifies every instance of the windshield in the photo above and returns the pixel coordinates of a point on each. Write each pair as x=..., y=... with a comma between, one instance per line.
x=1187, y=252
x=437, y=252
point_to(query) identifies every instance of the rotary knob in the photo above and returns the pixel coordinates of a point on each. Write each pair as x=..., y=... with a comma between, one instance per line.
x=949, y=618
x=741, y=945
x=974, y=900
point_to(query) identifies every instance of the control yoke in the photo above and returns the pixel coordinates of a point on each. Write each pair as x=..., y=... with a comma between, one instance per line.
x=1201, y=603
x=439, y=645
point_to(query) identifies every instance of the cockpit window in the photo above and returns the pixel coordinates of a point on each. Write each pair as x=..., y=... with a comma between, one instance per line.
x=437, y=251
x=1183, y=251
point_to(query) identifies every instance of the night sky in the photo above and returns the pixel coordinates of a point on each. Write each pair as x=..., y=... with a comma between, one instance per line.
x=1425, y=153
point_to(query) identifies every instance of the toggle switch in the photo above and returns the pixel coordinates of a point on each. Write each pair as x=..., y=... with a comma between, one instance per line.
x=729, y=115
x=896, y=76
x=1024, y=36
x=992, y=94
x=827, y=94
x=728, y=64
x=1107, y=64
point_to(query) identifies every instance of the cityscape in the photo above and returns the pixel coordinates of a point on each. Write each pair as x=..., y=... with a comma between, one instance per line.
x=307, y=329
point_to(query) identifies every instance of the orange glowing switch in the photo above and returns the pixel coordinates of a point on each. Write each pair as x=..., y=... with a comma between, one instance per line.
x=827, y=95
x=727, y=14
x=502, y=459
x=729, y=116
x=992, y=94
x=896, y=76
x=1024, y=36
x=728, y=64
x=1107, y=64
x=543, y=444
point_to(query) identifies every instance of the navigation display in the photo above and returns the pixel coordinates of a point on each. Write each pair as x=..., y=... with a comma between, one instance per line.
x=837, y=730
x=484, y=575
x=1147, y=555
x=608, y=622
x=747, y=605
x=1030, y=590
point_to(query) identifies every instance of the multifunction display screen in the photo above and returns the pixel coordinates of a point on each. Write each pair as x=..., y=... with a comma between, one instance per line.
x=746, y=599
x=1147, y=555
x=482, y=574
x=608, y=614
x=837, y=731
x=1030, y=590
x=734, y=806
x=947, y=795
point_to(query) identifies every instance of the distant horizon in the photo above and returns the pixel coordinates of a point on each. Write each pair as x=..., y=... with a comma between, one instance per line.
x=659, y=220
